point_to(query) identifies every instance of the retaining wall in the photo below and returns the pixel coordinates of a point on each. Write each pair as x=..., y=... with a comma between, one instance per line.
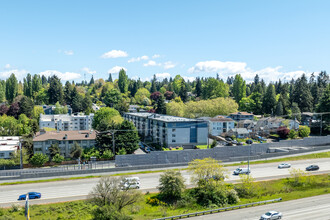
x=218, y=153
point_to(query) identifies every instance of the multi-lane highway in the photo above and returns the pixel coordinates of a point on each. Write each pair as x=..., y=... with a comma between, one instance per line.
x=317, y=207
x=78, y=189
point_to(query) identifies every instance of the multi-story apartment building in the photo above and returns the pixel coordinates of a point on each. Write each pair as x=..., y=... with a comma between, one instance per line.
x=8, y=146
x=66, y=122
x=170, y=130
x=65, y=140
x=220, y=124
x=239, y=116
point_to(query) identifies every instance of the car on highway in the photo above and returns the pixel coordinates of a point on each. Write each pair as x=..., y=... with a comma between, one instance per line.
x=239, y=171
x=32, y=195
x=284, y=165
x=130, y=183
x=312, y=167
x=271, y=215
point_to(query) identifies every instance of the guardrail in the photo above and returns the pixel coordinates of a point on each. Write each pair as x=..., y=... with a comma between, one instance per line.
x=219, y=210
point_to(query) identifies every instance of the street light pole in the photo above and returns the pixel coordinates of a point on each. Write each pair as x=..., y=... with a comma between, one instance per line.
x=249, y=158
x=21, y=155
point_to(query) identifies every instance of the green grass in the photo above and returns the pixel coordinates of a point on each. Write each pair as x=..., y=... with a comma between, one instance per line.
x=302, y=157
x=264, y=190
x=201, y=146
x=172, y=149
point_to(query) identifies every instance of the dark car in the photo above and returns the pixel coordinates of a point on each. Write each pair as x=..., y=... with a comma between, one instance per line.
x=32, y=195
x=249, y=141
x=312, y=167
x=228, y=139
x=234, y=142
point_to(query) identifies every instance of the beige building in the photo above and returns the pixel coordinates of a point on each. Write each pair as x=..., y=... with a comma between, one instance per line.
x=8, y=146
x=65, y=140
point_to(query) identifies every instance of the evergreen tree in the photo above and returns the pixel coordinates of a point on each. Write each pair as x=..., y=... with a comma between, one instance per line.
x=257, y=103
x=44, y=80
x=269, y=100
x=239, y=88
x=68, y=89
x=198, y=87
x=153, y=85
x=11, y=88
x=27, y=86
x=122, y=81
x=110, y=78
x=36, y=84
x=324, y=106
x=295, y=111
x=279, y=109
x=112, y=98
x=302, y=95
x=55, y=91
x=2, y=91
x=77, y=99
x=87, y=104
x=183, y=91
x=160, y=105
x=25, y=106
x=92, y=81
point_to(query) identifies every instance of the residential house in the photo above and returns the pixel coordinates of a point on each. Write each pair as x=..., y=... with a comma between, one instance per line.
x=50, y=109
x=239, y=116
x=307, y=118
x=169, y=131
x=8, y=146
x=63, y=122
x=65, y=140
x=270, y=125
x=248, y=124
x=238, y=132
x=220, y=124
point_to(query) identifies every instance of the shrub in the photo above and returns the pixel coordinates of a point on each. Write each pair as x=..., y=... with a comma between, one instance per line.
x=211, y=194
x=214, y=143
x=107, y=154
x=108, y=213
x=246, y=188
x=232, y=197
x=58, y=158
x=283, y=132
x=39, y=159
x=293, y=134
x=304, y=131
x=121, y=151
x=171, y=185
x=297, y=177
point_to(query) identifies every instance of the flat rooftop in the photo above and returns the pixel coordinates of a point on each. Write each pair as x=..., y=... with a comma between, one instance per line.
x=165, y=118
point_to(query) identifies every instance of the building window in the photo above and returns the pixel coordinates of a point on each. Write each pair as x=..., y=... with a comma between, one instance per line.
x=218, y=128
x=173, y=141
x=173, y=130
x=173, y=135
x=37, y=149
x=2, y=154
x=70, y=142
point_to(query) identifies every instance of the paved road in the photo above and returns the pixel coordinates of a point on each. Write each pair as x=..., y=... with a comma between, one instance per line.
x=78, y=189
x=317, y=207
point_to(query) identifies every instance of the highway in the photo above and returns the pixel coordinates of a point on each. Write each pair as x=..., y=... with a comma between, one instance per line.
x=317, y=207
x=78, y=189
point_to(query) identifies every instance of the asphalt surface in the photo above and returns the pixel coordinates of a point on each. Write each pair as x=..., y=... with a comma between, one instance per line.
x=317, y=207
x=69, y=190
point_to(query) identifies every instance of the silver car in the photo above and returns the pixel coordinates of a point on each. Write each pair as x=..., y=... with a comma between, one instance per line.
x=271, y=215
x=284, y=165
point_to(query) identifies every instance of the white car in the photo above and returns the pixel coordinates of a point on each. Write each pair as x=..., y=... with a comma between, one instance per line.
x=284, y=165
x=271, y=215
x=241, y=171
x=130, y=183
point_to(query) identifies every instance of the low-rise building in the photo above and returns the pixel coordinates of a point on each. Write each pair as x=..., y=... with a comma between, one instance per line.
x=50, y=109
x=248, y=124
x=65, y=140
x=238, y=132
x=64, y=122
x=239, y=116
x=8, y=146
x=168, y=130
x=220, y=124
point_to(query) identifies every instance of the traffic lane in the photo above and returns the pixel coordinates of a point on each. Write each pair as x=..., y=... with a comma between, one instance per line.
x=317, y=207
x=72, y=188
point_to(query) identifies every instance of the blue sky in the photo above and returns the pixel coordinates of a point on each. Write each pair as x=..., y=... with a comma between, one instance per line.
x=275, y=39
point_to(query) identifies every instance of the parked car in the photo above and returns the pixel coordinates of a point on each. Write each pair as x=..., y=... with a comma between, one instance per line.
x=312, y=167
x=284, y=165
x=234, y=142
x=240, y=143
x=249, y=141
x=271, y=215
x=228, y=139
x=130, y=183
x=241, y=171
x=32, y=195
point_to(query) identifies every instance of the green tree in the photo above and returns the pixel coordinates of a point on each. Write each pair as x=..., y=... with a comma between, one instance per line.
x=106, y=115
x=39, y=159
x=87, y=103
x=293, y=134
x=160, y=105
x=110, y=78
x=302, y=95
x=55, y=91
x=279, y=109
x=76, y=151
x=183, y=91
x=68, y=89
x=112, y=98
x=239, y=88
x=295, y=111
x=123, y=81
x=127, y=137
x=91, y=82
x=26, y=106
x=2, y=90
x=53, y=150
x=177, y=83
x=141, y=94
x=77, y=101
x=11, y=88
x=269, y=100
x=198, y=89
x=324, y=106
x=36, y=84
x=171, y=185
x=257, y=103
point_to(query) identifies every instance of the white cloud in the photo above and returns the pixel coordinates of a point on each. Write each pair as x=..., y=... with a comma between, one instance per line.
x=216, y=66
x=114, y=54
x=162, y=75
x=116, y=69
x=87, y=70
x=20, y=74
x=155, y=56
x=226, y=69
x=7, y=66
x=151, y=63
x=136, y=59
x=169, y=65
x=68, y=52
x=63, y=76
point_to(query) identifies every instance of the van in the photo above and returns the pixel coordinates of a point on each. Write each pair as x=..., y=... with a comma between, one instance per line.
x=241, y=171
x=130, y=183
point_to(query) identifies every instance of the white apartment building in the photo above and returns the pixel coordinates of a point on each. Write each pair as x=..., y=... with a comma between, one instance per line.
x=169, y=131
x=74, y=122
x=8, y=146
x=220, y=124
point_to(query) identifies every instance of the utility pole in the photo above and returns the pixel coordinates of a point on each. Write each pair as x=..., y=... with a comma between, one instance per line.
x=321, y=126
x=21, y=155
x=113, y=143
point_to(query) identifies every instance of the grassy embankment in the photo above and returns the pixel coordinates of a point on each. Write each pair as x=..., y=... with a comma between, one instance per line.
x=316, y=185
x=285, y=159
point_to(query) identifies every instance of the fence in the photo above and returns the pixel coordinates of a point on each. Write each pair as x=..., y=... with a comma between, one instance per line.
x=220, y=210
